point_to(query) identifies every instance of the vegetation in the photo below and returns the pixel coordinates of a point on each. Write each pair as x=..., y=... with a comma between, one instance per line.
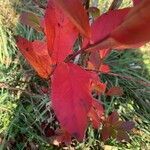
x=26, y=120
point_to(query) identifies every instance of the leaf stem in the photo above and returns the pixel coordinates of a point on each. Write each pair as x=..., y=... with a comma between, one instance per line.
x=115, y=4
x=77, y=53
x=89, y=47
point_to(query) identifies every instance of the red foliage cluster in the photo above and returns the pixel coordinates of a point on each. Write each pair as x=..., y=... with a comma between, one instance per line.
x=71, y=84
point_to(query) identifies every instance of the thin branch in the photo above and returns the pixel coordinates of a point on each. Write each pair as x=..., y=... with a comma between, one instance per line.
x=87, y=4
x=6, y=86
x=122, y=76
x=87, y=48
x=130, y=78
x=115, y=4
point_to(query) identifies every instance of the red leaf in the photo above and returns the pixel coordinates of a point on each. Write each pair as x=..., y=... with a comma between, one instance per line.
x=113, y=127
x=134, y=31
x=121, y=135
x=106, y=23
x=98, y=86
x=136, y=2
x=95, y=121
x=127, y=126
x=98, y=108
x=60, y=32
x=104, y=53
x=76, y=13
x=37, y=55
x=49, y=132
x=71, y=98
x=106, y=133
x=61, y=136
x=115, y=91
x=104, y=68
x=94, y=61
x=43, y=90
x=113, y=118
x=32, y=20
x=96, y=113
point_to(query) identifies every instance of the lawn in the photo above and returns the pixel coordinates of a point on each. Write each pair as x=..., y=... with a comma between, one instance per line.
x=27, y=120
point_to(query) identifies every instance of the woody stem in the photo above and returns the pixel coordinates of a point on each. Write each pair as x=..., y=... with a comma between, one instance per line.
x=89, y=47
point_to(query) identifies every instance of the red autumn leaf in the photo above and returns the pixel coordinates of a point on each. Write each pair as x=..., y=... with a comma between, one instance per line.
x=60, y=32
x=98, y=108
x=113, y=127
x=113, y=118
x=135, y=2
x=90, y=66
x=95, y=113
x=106, y=133
x=98, y=87
x=71, y=98
x=132, y=24
x=95, y=120
x=127, y=126
x=123, y=127
x=106, y=23
x=121, y=135
x=47, y=130
x=135, y=29
x=109, y=126
x=104, y=53
x=37, y=55
x=96, y=61
x=115, y=91
x=104, y=68
x=74, y=10
x=32, y=20
x=133, y=32
x=61, y=135
x=43, y=90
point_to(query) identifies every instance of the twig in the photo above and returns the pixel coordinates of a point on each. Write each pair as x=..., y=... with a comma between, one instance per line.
x=6, y=86
x=87, y=48
x=121, y=76
x=130, y=78
x=87, y=4
x=115, y=4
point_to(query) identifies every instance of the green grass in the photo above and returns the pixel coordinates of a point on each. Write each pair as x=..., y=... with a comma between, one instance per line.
x=23, y=108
